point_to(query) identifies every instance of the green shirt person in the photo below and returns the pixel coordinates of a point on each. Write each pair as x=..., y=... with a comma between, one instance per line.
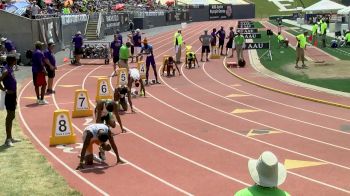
x=323, y=28
x=347, y=37
x=239, y=40
x=124, y=52
x=314, y=29
x=268, y=174
x=301, y=40
x=280, y=38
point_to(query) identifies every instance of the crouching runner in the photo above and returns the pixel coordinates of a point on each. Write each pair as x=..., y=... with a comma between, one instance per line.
x=97, y=134
x=136, y=78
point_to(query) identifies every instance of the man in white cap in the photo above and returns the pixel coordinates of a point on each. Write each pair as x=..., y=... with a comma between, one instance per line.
x=268, y=174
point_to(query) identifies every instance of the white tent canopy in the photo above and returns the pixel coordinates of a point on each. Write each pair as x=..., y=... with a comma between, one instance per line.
x=344, y=11
x=324, y=6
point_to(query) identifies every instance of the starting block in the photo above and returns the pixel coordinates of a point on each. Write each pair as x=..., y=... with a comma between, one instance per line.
x=103, y=89
x=231, y=64
x=62, y=130
x=122, y=78
x=82, y=107
x=215, y=53
x=141, y=66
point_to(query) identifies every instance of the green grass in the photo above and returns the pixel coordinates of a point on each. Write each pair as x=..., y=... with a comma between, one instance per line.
x=24, y=171
x=258, y=25
x=287, y=58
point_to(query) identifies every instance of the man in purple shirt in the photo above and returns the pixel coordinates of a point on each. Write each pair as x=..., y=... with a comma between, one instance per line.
x=50, y=65
x=213, y=41
x=10, y=49
x=115, y=47
x=38, y=69
x=78, y=46
x=8, y=84
x=221, y=35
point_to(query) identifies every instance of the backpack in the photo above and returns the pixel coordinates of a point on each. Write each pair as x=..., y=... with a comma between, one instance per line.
x=241, y=63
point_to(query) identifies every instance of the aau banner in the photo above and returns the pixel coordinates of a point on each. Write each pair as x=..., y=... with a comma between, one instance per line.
x=220, y=11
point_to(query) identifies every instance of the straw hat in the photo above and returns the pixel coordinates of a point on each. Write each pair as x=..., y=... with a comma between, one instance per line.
x=145, y=41
x=267, y=171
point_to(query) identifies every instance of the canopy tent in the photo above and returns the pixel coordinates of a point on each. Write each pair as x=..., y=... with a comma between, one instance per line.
x=344, y=11
x=324, y=6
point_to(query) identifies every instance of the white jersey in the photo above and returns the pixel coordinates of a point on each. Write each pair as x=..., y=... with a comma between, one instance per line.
x=93, y=128
x=134, y=73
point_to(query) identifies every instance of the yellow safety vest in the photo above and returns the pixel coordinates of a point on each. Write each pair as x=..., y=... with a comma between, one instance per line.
x=179, y=39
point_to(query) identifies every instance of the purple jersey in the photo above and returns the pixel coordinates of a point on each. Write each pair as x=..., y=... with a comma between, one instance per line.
x=9, y=46
x=48, y=55
x=78, y=41
x=137, y=40
x=9, y=81
x=221, y=34
x=115, y=45
x=213, y=34
x=37, y=61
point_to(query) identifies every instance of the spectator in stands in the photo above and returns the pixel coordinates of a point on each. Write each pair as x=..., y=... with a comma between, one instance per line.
x=124, y=55
x=34, y=9
x=221, y=35
x=78, y=46
x=8, y=84
x=205, y=40
x=301, y=39
x=230, y=43
x=38, y=70
x=50, y=9
x=268, y=174
x=239, y=43
x=178, y=41
x=324, y=33
x=50, y=65
x=282, y=42
x=2, y=5
x=115, y=47
x=213, y=41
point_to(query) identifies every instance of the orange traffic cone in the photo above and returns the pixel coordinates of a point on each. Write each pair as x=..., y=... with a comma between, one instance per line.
x=316, y=43
x=65, y=59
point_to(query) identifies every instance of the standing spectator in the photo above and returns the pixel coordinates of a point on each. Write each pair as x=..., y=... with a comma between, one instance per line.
x=268, y=174
x=229, y=44
x=205, y=40
x=147, y=49
x=115, y=47
x=124, y=55
x=35, y=9
x=78, y=46
x=178, y=41
x=239, y=42
x=300, y=49
x=136, y=39
x=221, y=35
x=314, y=33
x=2, y=5
x=9, y=85
x=50, y=9
x=132, y=48
x=323, y=33
x=50, y=65
x=38, y=70
x=213, y=41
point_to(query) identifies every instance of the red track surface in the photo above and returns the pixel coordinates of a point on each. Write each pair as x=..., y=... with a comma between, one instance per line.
x=185, y=140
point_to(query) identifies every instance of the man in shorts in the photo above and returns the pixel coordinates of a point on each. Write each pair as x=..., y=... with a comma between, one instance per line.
x=38, y=70
x=221, y=35
x=115, y=48
x=50, y=64
x=229, y=44
x=213, y=41
x=104, y=113
x=205, y=40
x=8, y=84
x=97, y=134
x=147, y=50
x=78, y=46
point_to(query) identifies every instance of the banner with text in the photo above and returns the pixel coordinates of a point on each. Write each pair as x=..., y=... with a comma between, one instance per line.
x=114, y=22
x=247, y=30
x=220, y=11
x=252, y=46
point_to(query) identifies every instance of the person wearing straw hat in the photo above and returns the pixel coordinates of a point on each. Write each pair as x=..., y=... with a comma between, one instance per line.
x=268, y=174
x=147, y=49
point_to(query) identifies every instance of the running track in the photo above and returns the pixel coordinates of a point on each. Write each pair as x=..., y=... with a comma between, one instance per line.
x=183, y=138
